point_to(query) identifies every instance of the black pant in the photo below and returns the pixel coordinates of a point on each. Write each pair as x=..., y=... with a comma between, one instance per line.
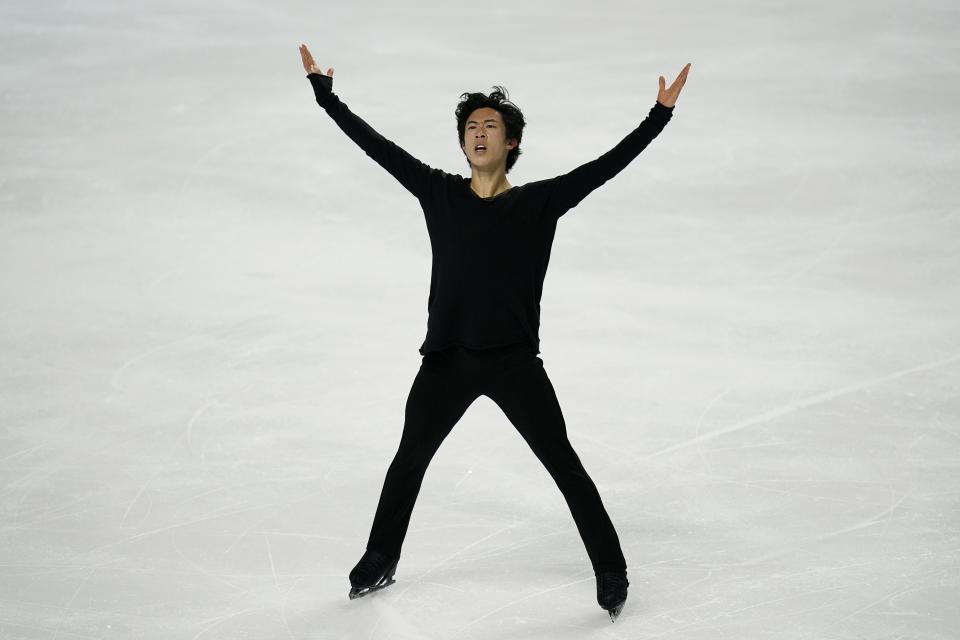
x=514, y=378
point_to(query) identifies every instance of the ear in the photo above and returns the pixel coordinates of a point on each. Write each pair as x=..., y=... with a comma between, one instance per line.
x=511, y=143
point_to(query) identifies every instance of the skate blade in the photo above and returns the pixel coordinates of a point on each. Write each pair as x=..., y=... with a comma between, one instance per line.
x=614, y=612
x=360, y=592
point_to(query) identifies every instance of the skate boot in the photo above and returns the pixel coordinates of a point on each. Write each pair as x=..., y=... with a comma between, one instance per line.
x=373, y=572
x=612, y=591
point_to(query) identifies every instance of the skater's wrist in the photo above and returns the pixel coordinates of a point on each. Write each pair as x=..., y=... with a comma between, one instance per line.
x=322, y=86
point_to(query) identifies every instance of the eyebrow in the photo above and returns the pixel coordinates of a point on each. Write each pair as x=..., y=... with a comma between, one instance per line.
x=487, y=120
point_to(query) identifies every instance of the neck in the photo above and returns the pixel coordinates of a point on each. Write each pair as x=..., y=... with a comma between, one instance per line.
x=489, y=183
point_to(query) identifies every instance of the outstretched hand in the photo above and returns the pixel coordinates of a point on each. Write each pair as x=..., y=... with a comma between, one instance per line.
x=309, y=65
x=668, y=97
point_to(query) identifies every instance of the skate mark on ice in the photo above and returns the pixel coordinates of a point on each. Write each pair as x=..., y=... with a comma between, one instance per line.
x=792, y=545
x=727, y=614
x=819, y=633
x=276, y=581
x=713, y=478
x=118, y=373
x=69, y=605
x=867, y=522
x=176, y=525
x=202, y=570
x=536, y=594
x=214, y=622
x=23, y=452
x=225, y=329
x=420, y=580
x=133, y=502
x=398, y=625
x=453, y=555
x=193, y=419
x=501, y=550
x=696, y=432
x=793, y=407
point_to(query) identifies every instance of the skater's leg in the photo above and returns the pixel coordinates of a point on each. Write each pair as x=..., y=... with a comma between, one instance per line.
x=438, y=398
x=527, y=397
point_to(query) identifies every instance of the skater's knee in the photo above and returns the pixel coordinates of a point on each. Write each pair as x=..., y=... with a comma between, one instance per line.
x=555, y=452
x=414, y=457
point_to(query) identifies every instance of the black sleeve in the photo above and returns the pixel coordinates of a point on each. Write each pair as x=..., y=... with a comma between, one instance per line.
x=569, y=189
x=414, y=175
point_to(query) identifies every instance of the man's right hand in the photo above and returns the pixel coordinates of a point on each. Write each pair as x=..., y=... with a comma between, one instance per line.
x=309, y=65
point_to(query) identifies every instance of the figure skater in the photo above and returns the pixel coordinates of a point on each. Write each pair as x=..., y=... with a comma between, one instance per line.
x=491, y=245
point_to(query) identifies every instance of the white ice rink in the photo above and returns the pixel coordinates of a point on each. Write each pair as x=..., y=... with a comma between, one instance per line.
x=212, y=302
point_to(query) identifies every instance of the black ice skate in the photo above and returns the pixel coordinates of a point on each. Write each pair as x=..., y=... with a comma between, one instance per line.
x=373, y=572
x=612, y=591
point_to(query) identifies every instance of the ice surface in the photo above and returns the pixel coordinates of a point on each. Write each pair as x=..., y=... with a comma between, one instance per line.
x=212, y=304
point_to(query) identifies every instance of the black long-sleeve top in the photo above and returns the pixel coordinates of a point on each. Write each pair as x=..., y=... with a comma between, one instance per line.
x=490, y=255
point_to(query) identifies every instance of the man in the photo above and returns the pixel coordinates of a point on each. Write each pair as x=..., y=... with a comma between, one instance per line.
x=491, y=246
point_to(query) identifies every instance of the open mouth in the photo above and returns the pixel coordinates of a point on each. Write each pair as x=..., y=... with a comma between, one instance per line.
x=479, y=148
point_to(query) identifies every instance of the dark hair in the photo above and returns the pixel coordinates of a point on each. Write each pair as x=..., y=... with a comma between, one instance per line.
x=512, y=117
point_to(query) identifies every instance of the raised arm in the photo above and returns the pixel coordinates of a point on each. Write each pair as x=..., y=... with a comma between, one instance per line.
x=569, y=189
x=413, y=174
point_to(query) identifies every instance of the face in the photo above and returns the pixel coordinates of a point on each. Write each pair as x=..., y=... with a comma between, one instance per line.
x=485, y=126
